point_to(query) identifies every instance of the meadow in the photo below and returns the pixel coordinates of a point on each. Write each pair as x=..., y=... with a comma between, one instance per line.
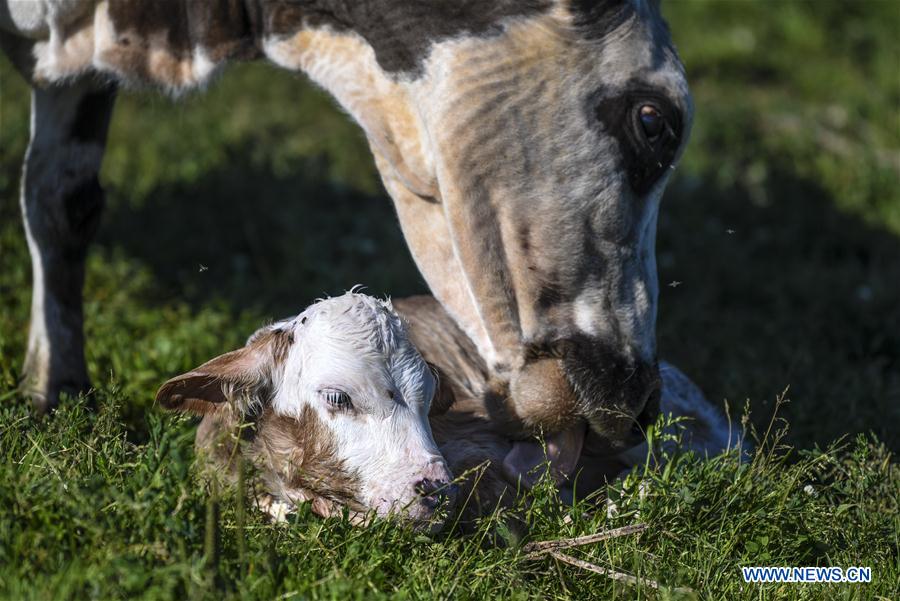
x=779, y=260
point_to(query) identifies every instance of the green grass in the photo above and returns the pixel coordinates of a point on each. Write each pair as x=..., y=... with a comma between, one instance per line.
x=90, y=514
x=782, y=223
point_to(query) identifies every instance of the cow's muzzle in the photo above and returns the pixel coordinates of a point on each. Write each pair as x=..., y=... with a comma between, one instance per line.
x=616, y=394
x=577, y=387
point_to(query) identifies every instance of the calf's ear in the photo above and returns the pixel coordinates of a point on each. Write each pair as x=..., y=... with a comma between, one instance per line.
x=239, y=376
x=444, y=397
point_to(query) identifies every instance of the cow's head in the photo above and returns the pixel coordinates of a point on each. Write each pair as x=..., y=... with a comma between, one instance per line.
x=339, y=401
x=526, y=145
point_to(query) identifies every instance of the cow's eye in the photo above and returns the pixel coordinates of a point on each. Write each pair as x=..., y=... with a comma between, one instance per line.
x=652, y=122
x=336, y=399
x=647, y=128
x=656, y=137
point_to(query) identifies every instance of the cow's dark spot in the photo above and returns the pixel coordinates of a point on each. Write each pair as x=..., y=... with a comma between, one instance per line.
x=400, y=31
x=597, y=18
x=147, y=18
x=617, y=114
x=223, y=28
x=550, y=294
x=525, y=239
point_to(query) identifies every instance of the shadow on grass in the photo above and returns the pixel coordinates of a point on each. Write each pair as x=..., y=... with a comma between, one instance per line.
x=778, y=288
x=264, y=243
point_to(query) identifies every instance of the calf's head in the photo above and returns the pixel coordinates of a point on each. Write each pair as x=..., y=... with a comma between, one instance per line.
x=339, y=399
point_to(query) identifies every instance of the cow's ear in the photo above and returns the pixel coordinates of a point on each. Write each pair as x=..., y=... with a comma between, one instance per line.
x=243, y=376
x=444, y=397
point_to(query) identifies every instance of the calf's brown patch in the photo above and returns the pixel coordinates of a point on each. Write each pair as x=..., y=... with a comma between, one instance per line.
x=300, y=455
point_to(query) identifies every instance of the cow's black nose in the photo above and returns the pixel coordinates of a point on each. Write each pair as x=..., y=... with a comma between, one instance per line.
x=433, y=492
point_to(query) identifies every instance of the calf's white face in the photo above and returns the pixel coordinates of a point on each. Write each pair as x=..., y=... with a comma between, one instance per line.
x=340, y=399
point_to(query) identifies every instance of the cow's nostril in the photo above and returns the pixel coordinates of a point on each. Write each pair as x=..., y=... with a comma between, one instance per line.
x=650, y=409
x=637, y=431
x=647, y=415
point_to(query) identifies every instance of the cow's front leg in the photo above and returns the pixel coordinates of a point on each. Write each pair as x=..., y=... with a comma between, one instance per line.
x=61, y=203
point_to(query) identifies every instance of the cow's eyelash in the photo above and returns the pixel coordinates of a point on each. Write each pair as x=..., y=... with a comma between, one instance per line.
x=337, y=399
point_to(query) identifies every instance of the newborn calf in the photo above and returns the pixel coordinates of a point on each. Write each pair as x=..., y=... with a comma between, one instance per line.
x=332, y=407
x=337, y=407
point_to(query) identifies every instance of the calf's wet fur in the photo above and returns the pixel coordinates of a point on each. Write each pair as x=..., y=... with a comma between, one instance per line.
x=330, y=406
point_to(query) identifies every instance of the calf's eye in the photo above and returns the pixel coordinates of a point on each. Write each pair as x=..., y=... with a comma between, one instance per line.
x=336, y=399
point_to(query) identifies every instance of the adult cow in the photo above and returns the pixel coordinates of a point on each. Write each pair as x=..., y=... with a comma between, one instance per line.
x=525, y=143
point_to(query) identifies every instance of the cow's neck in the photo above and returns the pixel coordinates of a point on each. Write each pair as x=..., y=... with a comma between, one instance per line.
x=375, y=60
